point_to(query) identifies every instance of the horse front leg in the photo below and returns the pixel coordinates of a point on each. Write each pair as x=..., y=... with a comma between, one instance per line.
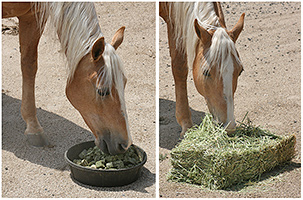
x=180, y=72
x=29, y=35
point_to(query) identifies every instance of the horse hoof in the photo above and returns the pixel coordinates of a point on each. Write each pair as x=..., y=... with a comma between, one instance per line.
x=37, y=139
x=182, y=135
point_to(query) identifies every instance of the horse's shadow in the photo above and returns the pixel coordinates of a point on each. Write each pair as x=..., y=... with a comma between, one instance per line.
x=61, y=133
x=169, y=129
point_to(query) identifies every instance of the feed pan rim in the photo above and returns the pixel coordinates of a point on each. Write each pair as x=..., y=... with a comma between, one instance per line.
x=104, y=170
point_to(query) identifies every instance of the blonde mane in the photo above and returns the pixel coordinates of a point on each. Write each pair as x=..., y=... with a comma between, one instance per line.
x=78, y=28
x=222, y=47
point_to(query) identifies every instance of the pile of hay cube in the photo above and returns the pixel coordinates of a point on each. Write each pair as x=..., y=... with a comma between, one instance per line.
x=208, y=156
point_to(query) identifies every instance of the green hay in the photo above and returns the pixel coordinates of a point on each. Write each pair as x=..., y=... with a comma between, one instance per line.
x=208, y=156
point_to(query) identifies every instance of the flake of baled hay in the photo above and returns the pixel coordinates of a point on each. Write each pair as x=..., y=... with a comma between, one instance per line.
x=208, y=156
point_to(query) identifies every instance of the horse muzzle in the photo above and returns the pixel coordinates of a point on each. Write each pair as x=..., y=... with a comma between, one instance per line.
x=111, y=143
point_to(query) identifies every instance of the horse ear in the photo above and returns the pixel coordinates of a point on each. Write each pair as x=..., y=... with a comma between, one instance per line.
x=203, y=34
x=235, y=32
x=98, y=49
x=118, y=37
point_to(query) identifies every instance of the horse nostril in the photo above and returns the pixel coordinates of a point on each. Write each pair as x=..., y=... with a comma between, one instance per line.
x=123, y=147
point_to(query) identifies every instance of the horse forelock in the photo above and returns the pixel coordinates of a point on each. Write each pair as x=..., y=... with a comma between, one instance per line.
x=112, y=73
x=221, y=54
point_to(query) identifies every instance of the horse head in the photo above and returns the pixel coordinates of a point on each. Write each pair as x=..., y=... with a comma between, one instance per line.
x=97, y=92
x=216, y=69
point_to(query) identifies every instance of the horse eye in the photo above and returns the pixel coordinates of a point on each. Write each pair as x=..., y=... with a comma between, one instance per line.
x=206, y=73
x=103, y=92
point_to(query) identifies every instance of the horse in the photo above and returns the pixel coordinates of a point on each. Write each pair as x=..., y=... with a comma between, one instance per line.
x=198, y=38
x=96, y=77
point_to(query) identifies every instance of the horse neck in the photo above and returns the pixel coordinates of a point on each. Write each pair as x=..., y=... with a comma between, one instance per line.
x=77, y=27
x=184, y=15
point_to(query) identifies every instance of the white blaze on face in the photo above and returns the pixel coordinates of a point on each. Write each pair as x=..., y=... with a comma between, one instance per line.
x=227, y=77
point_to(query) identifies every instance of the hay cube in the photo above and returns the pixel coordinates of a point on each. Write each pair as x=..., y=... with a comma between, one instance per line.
x=208, y=156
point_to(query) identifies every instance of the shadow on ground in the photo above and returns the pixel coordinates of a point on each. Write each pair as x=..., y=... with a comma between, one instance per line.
x=267, y=176
x=62, y=134
x=169, y=129
x=275, y=172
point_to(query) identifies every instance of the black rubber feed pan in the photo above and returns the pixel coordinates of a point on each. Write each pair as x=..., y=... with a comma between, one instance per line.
x=102, y=177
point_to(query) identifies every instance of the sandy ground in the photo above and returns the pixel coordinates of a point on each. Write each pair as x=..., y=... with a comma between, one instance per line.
x=42, y=172
x=269, y=89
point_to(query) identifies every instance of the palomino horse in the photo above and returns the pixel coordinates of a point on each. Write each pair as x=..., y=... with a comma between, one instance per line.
x=96, y=80
x=198, y=38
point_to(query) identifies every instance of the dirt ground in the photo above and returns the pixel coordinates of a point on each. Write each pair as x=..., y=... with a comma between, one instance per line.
x=42, y=172
x=269, y=89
